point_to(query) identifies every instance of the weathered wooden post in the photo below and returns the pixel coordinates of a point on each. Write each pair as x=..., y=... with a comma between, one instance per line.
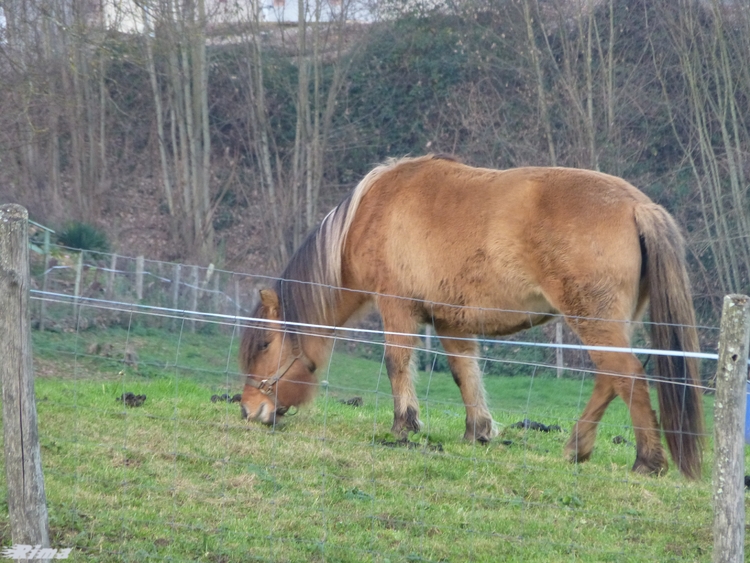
x=27, y=503
x=45, y=281
x=194, y=281
x=237, y=305
x=216, y=295
x=176, y=294
x=77, y=287
x=109, y=291
x=559, y=351
x=729, y=423
x=139, y=267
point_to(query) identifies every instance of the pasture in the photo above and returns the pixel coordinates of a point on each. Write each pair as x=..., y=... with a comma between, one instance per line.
x=182, y=478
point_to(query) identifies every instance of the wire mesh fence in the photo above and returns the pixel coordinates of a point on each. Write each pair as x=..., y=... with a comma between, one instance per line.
x=146, y=456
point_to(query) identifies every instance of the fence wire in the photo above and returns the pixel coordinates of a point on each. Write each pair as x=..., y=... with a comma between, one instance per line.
x=179, y=476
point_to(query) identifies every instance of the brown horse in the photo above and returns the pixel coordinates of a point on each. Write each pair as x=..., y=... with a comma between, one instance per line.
x=479, y=251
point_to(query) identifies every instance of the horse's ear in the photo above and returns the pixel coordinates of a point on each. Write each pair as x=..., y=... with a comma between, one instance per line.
x=270, y=301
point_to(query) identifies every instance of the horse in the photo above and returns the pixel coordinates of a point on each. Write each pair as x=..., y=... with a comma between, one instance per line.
x=480, y=251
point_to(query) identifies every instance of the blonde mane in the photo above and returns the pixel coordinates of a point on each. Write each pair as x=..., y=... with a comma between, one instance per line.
x=309, y=285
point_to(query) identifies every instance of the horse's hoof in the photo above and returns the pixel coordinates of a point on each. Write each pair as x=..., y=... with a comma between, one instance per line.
x=577, y=457
x=482, y=431
x=408, y=422
x=469, y=436
x=399, y=430
x=654, y=467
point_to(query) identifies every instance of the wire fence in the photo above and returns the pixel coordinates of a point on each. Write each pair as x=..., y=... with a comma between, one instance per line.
x=146, y=456
x=114, y=284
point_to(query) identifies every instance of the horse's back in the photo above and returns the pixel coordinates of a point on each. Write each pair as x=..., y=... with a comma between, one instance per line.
x=442, y=232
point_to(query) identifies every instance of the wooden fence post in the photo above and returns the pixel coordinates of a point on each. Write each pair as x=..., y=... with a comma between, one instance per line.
x=215, y=299
x=139, y=267
x=77, y=286
x=194, y=281
x=729, y=423
x=27, y=503
x=110, y=289
x=45, y=282
x=237, y=305
x=559, y=351
x=176, y=295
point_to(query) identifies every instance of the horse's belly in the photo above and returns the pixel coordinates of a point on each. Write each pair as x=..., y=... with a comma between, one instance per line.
x=497, y=316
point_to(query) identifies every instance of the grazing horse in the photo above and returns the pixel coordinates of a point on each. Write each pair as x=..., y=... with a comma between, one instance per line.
x=479, y=251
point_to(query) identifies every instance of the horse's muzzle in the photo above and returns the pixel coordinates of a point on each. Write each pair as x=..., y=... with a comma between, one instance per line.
x=264, y=414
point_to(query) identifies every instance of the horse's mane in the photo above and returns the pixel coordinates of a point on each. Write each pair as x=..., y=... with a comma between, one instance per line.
x=309, y=285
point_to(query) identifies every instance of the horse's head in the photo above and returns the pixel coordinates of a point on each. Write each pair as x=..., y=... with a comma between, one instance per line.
x=279, y=374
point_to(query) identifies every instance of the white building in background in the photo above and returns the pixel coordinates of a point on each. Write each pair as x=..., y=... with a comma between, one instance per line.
x=127, y=15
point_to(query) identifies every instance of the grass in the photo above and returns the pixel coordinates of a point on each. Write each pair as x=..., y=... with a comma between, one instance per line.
x=184, y=479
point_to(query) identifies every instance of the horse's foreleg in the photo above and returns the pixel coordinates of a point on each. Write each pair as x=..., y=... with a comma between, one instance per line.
x=462, y=359
x=398, y=361
x=399, y=351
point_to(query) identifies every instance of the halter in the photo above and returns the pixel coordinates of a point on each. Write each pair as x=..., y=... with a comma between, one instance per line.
x=266, y=386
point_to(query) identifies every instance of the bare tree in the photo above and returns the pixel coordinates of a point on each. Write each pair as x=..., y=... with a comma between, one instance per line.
x=56, y=95
x=291, y=178
x=707, y=113
x=175, y=38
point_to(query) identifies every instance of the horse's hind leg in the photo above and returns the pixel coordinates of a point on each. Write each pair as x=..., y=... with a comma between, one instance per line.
x=650, y=458
x=632, y=387
x=581, y=442
x=400, y=327
x=462, y=356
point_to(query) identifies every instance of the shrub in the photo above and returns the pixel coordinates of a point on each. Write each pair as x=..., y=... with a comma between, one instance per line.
x=83, y=236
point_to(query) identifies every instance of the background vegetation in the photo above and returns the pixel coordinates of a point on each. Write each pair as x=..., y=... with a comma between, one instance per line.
x=222, y=112
x=217, y=113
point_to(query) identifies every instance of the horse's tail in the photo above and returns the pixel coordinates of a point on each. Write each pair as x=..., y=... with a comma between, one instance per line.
x=673, y=328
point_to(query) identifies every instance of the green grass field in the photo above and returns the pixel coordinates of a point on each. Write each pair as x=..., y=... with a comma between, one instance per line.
x=185, y=479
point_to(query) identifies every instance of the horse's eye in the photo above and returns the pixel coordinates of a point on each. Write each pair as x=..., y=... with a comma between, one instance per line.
x=265, y=346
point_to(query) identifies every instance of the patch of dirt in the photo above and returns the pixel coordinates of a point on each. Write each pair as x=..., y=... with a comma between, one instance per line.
x=132, y=400
x=353, y=402
x=404, y=443
x=527, y=424
x=621, y=440
x=123, y=460
x=226, y=398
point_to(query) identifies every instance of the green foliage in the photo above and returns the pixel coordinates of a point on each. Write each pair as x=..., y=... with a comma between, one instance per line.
x=458, y=77
x=83, y=236
x=399, y=80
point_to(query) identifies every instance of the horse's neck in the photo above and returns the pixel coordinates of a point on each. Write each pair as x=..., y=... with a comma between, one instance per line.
x=318, y=346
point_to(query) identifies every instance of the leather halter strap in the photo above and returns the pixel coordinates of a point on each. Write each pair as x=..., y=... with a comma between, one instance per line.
x=266, y=386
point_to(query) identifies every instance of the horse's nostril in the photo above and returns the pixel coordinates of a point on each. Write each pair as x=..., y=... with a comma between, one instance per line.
x=243, y=410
